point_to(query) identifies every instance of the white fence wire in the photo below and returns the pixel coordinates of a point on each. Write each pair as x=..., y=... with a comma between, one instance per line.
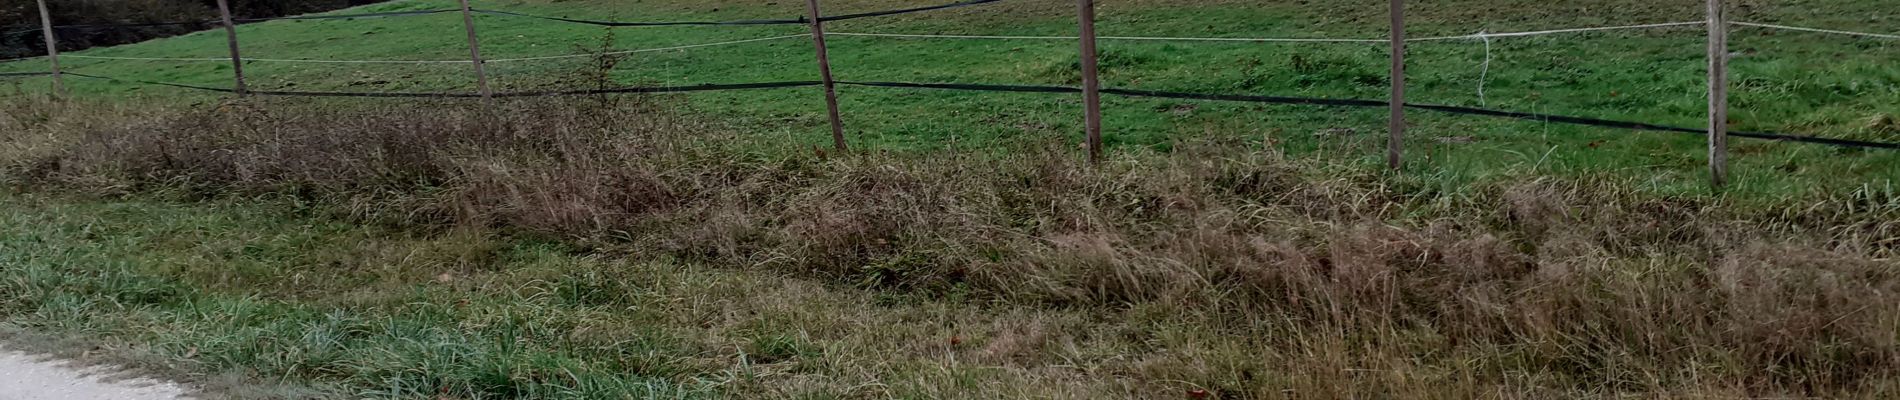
x=1818, y=30
x=1481, y=36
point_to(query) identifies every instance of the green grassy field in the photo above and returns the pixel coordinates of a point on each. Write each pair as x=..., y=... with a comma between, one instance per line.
x=1787, y=82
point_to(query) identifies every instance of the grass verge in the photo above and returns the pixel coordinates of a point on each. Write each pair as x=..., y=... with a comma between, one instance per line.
x=579, y=250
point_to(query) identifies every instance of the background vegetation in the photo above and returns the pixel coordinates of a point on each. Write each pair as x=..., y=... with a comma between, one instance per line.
x=1788, y=82
x=20, y=19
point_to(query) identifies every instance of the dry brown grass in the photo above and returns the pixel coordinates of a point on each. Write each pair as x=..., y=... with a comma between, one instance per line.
x=1285, y=278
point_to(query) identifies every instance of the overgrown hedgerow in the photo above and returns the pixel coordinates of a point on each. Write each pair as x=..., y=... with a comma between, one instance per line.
x=1543, y=285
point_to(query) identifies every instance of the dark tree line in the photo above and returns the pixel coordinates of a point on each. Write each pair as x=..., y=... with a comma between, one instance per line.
x=20, y=19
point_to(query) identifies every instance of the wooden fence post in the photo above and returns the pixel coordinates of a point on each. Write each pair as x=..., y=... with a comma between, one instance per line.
x=1718, y=94
x=230, y=35
x=52, y=49
x=1091, y=84
x=1394, y=143
x=824, y=72
x=475, y=52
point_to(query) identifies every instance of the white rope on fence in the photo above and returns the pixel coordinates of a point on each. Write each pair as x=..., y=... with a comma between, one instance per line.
x=141, y=58
x=1484, y=73
x=922, y=36
x=1818, y=30
x=1210, y=39
x=1154, y=38
x=690, y=46
x=224, y=59
x=1484, y=69
x=1476, y=36
x=1483, y=35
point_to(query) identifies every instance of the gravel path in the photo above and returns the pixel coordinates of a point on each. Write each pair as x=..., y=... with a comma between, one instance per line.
x=29, y=377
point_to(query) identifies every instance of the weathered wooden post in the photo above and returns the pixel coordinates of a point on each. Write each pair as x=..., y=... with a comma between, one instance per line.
x=824, y=73
x=52, y=49
x=1718, y=94
x=1091, y=85
x=230, y=35
x=1394, y=143
x=475, y=52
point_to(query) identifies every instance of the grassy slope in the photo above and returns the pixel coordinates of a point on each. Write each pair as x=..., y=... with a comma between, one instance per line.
x=1801, y=83
x=1213, y=266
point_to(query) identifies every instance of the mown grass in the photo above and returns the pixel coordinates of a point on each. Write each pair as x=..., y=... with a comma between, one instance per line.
x=1799, y=83
x=467, y=252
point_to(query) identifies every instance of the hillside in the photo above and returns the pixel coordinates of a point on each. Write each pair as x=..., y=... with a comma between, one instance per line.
x=20, y=34
x=1793, y=82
